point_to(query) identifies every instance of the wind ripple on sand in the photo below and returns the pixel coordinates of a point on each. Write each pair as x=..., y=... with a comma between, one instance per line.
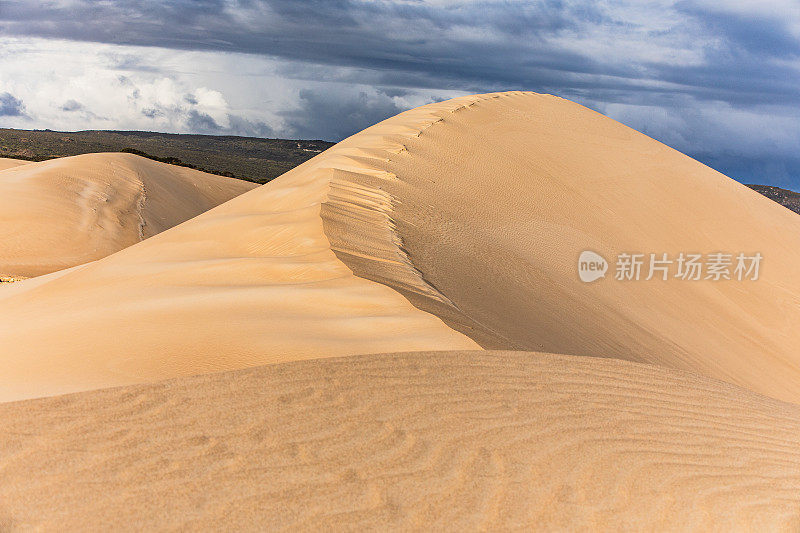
x=440, y=440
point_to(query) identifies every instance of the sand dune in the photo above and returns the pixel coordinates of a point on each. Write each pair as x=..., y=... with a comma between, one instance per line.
x=449, y=228
x=473, y=210
x=251, y=282
x=438, y=441
x=11, y=163
x=495, y=200
x=63, y=212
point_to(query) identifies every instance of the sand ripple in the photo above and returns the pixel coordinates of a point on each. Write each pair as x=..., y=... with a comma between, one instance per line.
x=442, y=440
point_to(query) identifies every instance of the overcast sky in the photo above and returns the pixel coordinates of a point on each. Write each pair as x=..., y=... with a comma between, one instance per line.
x=717, y=79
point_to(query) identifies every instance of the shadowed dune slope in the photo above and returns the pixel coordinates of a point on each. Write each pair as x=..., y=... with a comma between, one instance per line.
x=442, y=440
x=450, y=226
x=63, y=212
x=495, y=199
x=11, y=163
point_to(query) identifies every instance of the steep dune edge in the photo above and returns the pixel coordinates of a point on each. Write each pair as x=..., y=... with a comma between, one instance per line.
x=251, y=282
x=494, y=197
x=64, y=212
x=442, y=440
x=359, y=213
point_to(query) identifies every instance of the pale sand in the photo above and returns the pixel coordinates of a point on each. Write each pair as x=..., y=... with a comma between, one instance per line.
x=64, y=212
x=251, y=282
x=476, y=210
x=5, y=163
x=458, y=441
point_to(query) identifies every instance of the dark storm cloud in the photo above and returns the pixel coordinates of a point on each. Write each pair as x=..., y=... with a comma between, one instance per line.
x=781, y=172
x=448, y=46
x=199, y=122
x=72, y=105
x=472, y=46
x=202, y=122
x=241, y=126
x=10, y=106
x=749, y=65
x=583, y=50
x=316, y=118
x=751, y=33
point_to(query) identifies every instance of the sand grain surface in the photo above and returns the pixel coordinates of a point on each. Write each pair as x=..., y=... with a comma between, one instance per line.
x=444, y=441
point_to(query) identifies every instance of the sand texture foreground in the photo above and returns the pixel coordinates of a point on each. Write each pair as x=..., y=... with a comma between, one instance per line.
x=441, y=441
x=64, y=212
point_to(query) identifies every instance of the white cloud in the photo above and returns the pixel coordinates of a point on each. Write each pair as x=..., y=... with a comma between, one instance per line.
x=69, y=85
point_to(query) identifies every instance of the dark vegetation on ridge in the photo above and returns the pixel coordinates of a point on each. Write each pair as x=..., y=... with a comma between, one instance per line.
x=247, y=158
x=788, y=199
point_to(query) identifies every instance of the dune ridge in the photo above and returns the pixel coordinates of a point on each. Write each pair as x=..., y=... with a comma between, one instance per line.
x=449, y=228
x=63, y=212
x=6, y=162
x=494, y=197
x=250, y=282
x=358, y=211
x=456, y=225
x=442, y=440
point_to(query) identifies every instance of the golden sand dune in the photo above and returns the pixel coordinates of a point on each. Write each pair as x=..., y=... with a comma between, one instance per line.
x=495, y=199
x=437, y=441
x=63, y=212
x=11, y=163
x=473, y=210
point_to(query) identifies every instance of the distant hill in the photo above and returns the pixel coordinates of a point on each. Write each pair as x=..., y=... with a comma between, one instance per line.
x=248, y=158
x=788, y=199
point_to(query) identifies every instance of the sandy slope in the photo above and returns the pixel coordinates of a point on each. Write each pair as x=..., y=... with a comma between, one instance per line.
x=11, y=163
x=250, y=282
x=474, y=209
x=496, y=198
x=455, y=441
x=63, y=212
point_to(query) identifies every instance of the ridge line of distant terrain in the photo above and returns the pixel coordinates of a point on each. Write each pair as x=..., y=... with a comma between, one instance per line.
x=248, y=158
x=788, y=199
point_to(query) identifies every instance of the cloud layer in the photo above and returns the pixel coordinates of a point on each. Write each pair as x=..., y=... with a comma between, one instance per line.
x=10, y=106
x=716, y=81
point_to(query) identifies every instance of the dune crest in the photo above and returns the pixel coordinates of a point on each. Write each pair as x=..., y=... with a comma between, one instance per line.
x=6, y=162
x=494, y=197
x=63, y=212
x=442, y=440
x=451, y=226
x=358, y=213
x=251, y=282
